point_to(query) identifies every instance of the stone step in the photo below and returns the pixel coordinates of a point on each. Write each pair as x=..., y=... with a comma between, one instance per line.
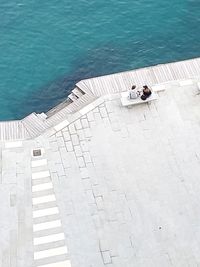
x=78, y=92
x=73, y=97
x=42, y=116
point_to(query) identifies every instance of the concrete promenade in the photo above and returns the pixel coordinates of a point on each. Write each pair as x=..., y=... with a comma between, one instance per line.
x=114, y=187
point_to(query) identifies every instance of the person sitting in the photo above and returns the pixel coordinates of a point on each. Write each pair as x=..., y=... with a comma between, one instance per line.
x=133, y=93
x=146, y=92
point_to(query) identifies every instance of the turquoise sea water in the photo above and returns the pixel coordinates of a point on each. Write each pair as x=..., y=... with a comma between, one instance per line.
x=47, y=46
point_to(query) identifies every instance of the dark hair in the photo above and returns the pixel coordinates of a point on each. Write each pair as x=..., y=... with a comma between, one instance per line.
x=145, y=87
x=134, y=86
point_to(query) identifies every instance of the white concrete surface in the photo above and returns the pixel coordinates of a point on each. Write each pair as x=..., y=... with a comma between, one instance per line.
x=58, y=264
x=50, y=252
x=37, y=163
x=41, y=187
x=48, y=239
x=45, y=212
x=42, y=174
x=126, y=183
x=46, y=225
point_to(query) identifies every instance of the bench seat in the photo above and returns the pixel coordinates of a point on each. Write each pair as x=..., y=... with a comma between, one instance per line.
x=158, y=87
x=129, y=102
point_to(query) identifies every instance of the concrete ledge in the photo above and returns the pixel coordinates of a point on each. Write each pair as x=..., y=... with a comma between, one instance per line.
x=79, y=114
x=48, y=127
x=158, y=87
x=61, y=125
x=185, y=82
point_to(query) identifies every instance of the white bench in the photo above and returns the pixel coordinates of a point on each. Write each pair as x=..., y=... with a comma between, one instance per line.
x=128, y=102
x=158, y=87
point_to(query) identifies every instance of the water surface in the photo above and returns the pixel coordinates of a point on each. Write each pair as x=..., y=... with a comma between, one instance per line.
x=47, y=46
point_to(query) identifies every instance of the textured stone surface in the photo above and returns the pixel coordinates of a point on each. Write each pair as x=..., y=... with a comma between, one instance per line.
x=126, y=182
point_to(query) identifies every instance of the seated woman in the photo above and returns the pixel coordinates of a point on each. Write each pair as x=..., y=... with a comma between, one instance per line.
x=146, y=92
x=133, y=93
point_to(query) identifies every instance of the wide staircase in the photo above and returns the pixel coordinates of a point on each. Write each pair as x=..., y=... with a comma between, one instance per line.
x=36, y=123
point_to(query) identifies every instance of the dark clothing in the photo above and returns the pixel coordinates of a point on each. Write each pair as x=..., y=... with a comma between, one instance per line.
x=143, y=97
x=146, y=93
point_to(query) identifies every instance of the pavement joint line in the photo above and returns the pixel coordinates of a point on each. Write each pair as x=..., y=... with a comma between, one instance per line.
x=50, y=252
x=46, y=225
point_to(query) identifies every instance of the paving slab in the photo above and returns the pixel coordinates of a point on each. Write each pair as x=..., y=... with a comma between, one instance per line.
x=126, y=184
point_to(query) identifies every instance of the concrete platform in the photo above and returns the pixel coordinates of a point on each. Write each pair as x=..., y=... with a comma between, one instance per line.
x=122, y=187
